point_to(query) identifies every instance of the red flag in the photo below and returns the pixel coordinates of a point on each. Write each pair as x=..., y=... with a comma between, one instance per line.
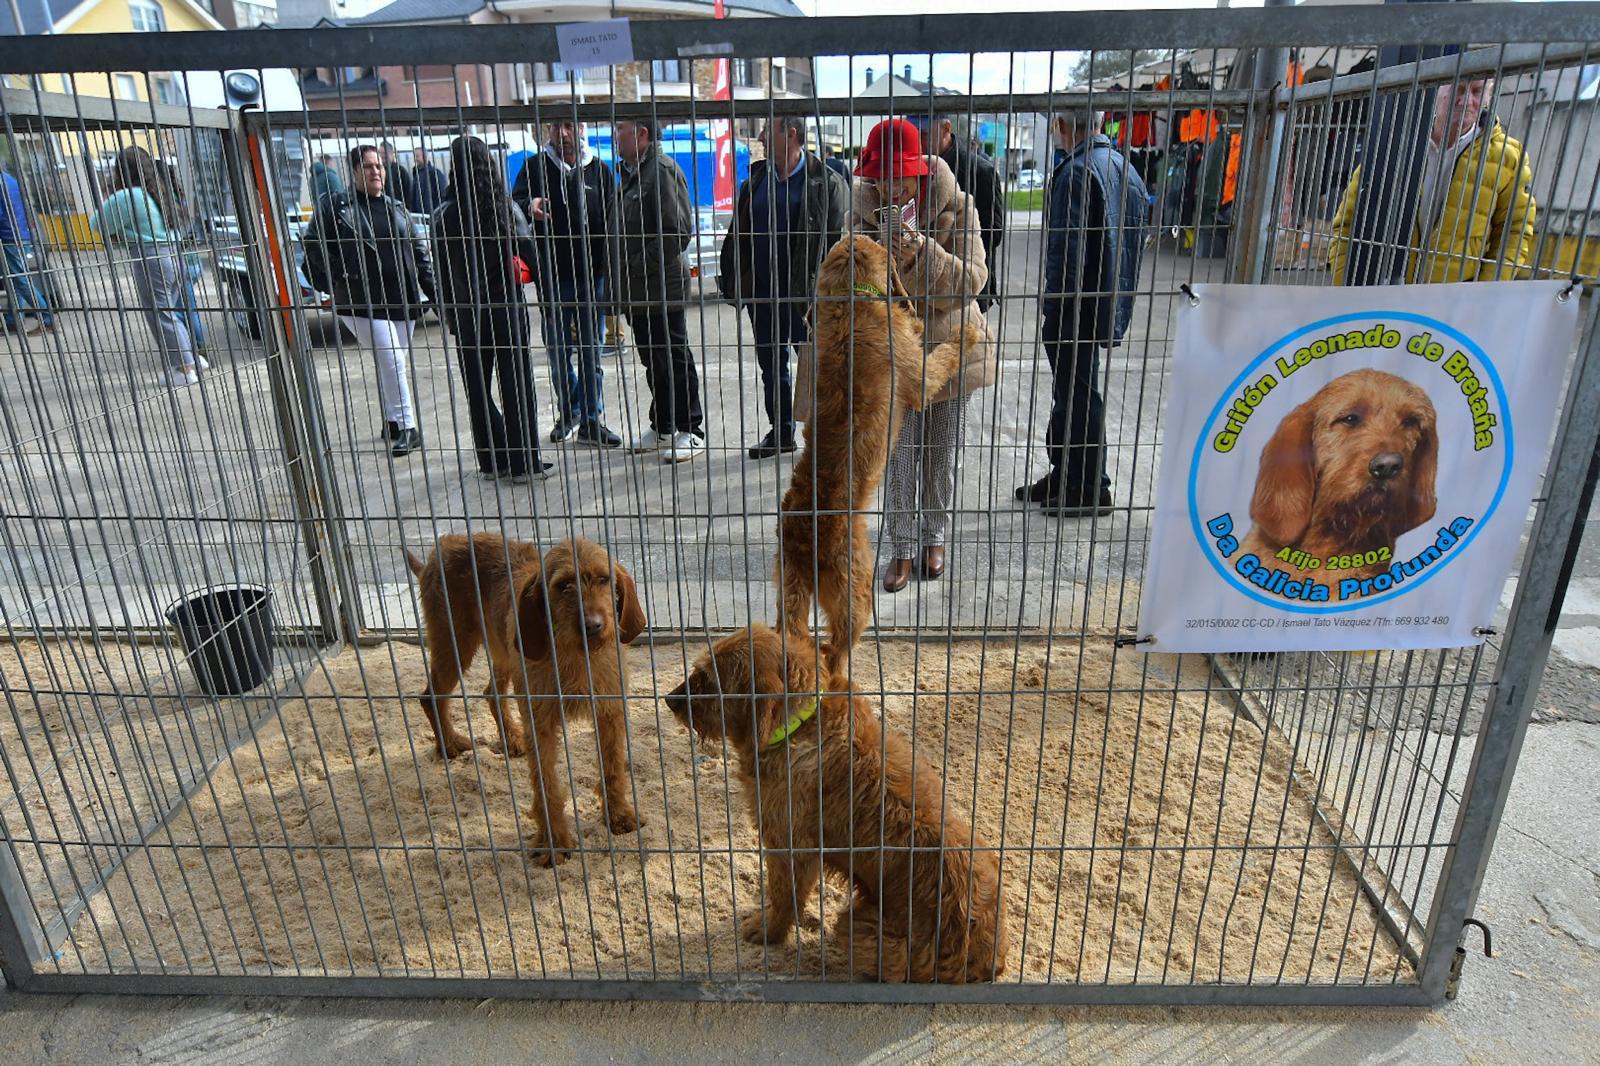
x=722, y=132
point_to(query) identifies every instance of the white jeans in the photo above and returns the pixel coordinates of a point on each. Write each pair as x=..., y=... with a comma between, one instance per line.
x=390, y=341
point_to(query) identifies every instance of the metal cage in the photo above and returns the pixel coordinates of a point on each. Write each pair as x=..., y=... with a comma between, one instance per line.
x=1307, y=828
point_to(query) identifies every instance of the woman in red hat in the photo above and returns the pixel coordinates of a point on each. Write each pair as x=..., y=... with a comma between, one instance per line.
x=911, y=201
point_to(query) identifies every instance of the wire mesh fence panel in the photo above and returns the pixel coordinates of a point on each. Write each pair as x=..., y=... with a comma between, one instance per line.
x=129, y=500
x=469, y=407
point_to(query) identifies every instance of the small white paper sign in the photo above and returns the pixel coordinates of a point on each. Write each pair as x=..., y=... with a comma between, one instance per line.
x=606, y=43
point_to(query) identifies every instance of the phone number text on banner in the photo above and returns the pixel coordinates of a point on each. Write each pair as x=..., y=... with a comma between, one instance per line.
x=1365, y=442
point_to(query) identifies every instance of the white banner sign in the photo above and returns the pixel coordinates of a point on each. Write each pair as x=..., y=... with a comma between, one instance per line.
x=1348, y=469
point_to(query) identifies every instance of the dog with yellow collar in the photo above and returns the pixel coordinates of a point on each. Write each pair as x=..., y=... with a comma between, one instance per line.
x=830, y=787
x=865, y=372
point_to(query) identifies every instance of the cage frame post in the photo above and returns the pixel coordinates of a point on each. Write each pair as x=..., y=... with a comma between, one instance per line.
x=18, y=949
x=1260, y=145
x=296, y=404
x=1557, y=534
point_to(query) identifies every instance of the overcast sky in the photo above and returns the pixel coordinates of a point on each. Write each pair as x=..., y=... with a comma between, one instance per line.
x=990, y=73
x=1021, y=72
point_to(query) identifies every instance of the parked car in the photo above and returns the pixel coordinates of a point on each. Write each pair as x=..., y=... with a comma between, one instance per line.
x=710, y=228
x=1028, y=179
x=233, y=272
x=233, y=276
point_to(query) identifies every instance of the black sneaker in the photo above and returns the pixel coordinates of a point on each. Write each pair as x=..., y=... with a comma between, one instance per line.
x=406, y=442
x=563, y=430
x=391, y=430
x=771, y=445
x=1037, y=492
x=1077, y=504
x=598, y=435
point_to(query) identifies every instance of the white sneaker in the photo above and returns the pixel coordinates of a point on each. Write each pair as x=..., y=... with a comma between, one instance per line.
x=177, y=379
x=649, y=441
x=682, y=448
x=200, y=363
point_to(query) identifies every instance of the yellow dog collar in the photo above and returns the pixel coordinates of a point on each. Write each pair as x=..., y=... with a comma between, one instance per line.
x=796, y=720
x=863, y=289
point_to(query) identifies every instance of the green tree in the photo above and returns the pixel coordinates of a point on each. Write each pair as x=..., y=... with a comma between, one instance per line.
x=1092, y=66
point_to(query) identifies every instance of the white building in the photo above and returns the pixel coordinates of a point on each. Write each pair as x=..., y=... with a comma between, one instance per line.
x=1008, y=139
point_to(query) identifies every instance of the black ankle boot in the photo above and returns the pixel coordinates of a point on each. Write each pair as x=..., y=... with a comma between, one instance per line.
x=406, y=442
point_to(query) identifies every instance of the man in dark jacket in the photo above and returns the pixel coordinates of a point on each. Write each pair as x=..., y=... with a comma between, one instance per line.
x=428, y=184
x=397, y=179
x=976, y=176
x=567, y=192
x=835, y=164
x=325, y=180
x=789, y=212
x=362, y=249
x=1094, y=238
x=655, y=223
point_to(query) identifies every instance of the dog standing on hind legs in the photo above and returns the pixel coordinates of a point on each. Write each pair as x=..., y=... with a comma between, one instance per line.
x=871, y=371
x=489, y=592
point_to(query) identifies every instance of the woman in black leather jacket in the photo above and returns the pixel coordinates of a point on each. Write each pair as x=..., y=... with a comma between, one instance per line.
x=363, y=250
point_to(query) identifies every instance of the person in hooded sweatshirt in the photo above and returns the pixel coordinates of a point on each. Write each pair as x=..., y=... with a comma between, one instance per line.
x=567, y=191
x=478, y=236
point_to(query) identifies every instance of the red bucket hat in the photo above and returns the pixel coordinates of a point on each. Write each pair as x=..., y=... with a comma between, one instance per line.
x=893, y=148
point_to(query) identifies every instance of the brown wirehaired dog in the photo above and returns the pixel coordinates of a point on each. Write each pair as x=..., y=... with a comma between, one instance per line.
x=926, y=888
x=588, y=602
x=1346, y=472
x=870, y=372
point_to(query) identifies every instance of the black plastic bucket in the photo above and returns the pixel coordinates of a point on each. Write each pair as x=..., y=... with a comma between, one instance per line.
x=227, y=633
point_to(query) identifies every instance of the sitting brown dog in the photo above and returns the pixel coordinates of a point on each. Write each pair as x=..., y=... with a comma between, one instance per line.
x=486, y=591
x=871, y=371
x=835, y=790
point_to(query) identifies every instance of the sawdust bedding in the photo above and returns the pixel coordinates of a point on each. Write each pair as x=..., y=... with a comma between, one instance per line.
x=1148, y=836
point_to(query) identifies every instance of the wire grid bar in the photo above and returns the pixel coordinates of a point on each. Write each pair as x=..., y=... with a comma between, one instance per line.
x=1244, y=830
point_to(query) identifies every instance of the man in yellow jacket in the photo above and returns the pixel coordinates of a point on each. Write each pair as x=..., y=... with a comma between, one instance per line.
x=1475, y=208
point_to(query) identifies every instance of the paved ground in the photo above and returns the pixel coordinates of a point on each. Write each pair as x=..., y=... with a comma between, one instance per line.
x=109, y=460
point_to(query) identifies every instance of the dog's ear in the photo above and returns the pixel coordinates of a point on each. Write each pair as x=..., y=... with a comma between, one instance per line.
x=1286, y=482
x=788, y=679
x=828, y=274
x=1421, y=501
x=630, y=615
x=533, y=617
x=801, y=668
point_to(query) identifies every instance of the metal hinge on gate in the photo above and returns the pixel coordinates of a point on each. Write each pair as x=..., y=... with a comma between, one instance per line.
x=1453, y=982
